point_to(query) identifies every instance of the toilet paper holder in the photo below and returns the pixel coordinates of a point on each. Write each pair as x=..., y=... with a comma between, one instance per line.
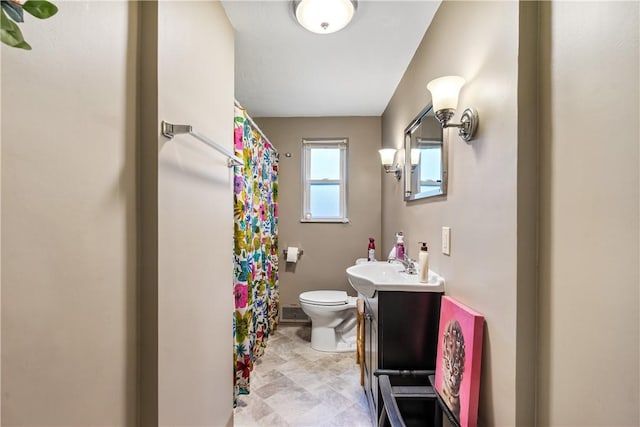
x=300, y=252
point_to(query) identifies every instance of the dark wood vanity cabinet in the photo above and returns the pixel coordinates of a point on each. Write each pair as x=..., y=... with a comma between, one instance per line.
x=400, y=330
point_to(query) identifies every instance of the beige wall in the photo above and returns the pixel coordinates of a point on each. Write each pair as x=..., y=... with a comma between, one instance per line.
x=589, y=279
x=195, y=216
x=69, y=219
x=328, y=248
x=527, y=214
x=0, y=250
x=148, y=215
x=481, y=206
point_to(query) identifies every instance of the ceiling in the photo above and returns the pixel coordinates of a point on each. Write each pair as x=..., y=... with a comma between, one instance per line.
x=283, y=70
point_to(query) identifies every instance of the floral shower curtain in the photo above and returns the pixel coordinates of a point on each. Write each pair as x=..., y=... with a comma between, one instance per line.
x=255, y=247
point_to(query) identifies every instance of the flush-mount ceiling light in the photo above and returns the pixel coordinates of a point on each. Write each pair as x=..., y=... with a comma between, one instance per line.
x=324, y=16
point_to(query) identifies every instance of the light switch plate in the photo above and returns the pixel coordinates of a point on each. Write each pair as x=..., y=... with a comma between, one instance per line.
x=446, y=240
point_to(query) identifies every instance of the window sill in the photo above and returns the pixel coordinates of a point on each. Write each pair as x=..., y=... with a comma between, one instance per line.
x=328, y=220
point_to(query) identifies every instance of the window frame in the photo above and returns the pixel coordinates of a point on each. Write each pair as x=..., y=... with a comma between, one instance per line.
x=307, y=145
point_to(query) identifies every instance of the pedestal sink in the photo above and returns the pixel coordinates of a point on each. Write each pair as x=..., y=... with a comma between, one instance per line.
x=370, y=277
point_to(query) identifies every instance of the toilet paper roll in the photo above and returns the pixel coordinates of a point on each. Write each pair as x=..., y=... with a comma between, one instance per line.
x=292, y=254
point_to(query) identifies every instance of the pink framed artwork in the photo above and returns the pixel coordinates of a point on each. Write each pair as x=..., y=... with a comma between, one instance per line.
x=458, y=359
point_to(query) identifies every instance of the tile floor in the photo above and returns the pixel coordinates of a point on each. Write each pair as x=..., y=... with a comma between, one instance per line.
x=294, y=385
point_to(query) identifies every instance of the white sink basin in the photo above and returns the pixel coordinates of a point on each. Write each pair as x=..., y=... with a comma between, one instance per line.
x=370, y=277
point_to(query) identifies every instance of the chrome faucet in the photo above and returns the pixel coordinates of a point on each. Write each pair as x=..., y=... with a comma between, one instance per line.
x=408, y=264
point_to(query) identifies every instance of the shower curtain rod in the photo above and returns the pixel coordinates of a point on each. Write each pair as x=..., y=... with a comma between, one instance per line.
x=170, y=130
x=255, y=126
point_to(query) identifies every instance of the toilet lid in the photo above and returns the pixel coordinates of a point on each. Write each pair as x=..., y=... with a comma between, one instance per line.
x=324, y=297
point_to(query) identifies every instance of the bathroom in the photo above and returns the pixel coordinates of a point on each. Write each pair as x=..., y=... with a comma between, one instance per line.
x=111, y=234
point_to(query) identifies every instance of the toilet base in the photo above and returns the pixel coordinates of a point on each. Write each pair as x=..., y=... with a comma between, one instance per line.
x=326, y=340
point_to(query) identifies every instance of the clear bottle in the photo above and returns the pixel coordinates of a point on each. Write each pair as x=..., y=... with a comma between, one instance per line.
x=372, y=249
x=400, y=246
x=423, y=263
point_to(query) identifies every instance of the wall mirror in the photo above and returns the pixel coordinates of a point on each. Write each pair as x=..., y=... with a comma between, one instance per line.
x=425, y=166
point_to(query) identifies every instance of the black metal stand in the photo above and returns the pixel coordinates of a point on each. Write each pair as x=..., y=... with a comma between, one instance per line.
x=391, y=395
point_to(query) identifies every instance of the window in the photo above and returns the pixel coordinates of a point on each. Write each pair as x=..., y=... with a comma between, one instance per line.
x=324, y=180
x=430, y=167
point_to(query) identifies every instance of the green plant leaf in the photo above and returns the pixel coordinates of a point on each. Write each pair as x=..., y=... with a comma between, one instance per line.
x=6, y=23
x=10, y=34
x=40, y=8
x=13, y=10
x=10, y=39
x=24, y=45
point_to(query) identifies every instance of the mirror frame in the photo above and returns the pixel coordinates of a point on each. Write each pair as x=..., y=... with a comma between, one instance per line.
x=444, y=160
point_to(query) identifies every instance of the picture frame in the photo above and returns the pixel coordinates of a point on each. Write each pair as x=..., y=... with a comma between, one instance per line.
x=459, y=359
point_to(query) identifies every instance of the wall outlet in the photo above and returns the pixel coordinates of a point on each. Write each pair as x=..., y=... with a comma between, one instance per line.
x=446, y=240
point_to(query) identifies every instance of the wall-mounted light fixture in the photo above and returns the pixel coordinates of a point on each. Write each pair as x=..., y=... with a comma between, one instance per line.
x=415, y=158
x=324, y=16
x=444, y=95
x=387, y=157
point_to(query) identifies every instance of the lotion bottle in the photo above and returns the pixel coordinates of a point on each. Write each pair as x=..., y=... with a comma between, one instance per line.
x=423, y=263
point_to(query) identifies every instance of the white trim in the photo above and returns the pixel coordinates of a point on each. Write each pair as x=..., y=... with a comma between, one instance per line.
x=307, y=145
x=338, y=221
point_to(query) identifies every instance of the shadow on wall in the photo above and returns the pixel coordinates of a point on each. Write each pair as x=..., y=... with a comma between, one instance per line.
x=291, y=262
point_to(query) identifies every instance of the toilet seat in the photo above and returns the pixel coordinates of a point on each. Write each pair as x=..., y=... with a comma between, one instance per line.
x=326, y=298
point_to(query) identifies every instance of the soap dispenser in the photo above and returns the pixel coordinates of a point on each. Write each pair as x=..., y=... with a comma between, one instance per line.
x=423, y=263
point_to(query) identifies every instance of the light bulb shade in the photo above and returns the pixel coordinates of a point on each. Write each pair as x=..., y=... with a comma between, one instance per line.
x=324, y=16
x=445, y=91
x=415, y=156
x=387, y=156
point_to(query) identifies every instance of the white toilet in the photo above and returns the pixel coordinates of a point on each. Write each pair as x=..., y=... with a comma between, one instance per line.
x=333, y=320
